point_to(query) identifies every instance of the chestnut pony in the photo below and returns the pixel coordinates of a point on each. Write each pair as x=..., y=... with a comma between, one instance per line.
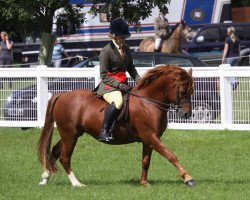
x=82, y=111
x=170, y=45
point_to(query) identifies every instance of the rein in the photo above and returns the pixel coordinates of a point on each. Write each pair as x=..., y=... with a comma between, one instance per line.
x=159, y=104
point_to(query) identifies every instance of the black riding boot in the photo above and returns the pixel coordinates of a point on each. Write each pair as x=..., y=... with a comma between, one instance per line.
x=109, y=117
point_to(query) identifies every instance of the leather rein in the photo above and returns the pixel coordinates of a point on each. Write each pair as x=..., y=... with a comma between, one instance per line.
x=161, y=105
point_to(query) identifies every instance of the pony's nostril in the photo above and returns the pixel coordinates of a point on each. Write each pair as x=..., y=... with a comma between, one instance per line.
x=187, y=115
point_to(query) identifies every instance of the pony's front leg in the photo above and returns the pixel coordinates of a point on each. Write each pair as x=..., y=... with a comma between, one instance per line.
x=45, y=178
x=146, y=157
x=157, y=145
x=74, y=181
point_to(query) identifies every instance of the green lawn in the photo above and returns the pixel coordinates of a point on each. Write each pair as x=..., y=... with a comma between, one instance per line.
x=219, y=161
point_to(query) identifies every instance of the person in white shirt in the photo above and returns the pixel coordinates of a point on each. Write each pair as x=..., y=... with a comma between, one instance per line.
x=58, y=53
x=161, y=28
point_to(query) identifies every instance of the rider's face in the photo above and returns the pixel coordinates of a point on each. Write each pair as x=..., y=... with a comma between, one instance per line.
x=119, y=39
x=163, y=14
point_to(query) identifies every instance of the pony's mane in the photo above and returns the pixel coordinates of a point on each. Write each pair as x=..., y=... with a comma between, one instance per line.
x=176, y=72
x=175, y=26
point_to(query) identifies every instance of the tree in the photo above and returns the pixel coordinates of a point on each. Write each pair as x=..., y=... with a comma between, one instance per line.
x=33, y=16
x=24, y=17
x=36, y=16
x=133, y=11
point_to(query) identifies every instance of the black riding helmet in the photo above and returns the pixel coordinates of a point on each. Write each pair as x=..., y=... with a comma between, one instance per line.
x=164, y=9
x=119, y=27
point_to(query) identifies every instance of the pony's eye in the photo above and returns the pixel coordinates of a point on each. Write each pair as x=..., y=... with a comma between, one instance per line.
x=183, y=93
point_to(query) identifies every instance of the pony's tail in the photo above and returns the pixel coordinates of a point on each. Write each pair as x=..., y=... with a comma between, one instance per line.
x=44, y=143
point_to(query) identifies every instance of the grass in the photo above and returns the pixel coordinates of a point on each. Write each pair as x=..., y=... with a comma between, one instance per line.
x=218, y=161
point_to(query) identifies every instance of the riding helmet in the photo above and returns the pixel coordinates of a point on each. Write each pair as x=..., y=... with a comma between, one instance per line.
x=164, y=9
x=119, y=27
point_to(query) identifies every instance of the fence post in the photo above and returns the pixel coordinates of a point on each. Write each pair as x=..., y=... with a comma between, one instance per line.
x=226, y=97
x=42, y=96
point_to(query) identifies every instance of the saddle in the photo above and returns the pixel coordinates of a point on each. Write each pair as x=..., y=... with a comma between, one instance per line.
x=124, y=112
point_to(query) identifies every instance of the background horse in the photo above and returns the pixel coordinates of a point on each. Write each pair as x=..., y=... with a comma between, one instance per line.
x=82, y=111
x=170, y=45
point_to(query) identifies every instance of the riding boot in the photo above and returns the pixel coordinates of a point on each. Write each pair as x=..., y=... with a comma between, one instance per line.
x=109, y=117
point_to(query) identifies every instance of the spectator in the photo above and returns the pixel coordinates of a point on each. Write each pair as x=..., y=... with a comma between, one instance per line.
x=6, y=56
x=231, y=52
x=58, y=54
x=161, y=28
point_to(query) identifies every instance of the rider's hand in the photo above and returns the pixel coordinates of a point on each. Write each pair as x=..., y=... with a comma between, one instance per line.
x=124, y=88
x=163, y=37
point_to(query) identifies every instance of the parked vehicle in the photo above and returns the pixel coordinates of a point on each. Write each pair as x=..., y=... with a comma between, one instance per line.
x=208, y=42
x=150, y=59
x=22, y=104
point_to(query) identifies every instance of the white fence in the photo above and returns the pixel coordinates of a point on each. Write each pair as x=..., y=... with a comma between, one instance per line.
x=24, y=93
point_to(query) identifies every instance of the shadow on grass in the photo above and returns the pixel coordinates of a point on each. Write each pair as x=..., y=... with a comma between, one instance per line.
x=135, y=182
x=232, y=182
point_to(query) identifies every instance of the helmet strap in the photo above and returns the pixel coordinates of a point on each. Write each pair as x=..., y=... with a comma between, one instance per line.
x=111, y=35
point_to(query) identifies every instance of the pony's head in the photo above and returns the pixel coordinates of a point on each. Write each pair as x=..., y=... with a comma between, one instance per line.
x=184, y=89
x=173, y=84
x=181, y=30
x=184, y=29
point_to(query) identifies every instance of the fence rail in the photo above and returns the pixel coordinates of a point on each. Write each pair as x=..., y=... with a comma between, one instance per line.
x=221, y=98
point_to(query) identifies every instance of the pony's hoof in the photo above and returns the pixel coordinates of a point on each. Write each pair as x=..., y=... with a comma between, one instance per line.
x=43, y=182
x=190, y=183
x=78, y=185
x=145, y=184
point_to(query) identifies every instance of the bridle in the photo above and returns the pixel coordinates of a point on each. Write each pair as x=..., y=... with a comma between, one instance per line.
x=183, y=27
x=162, y=105
x=183, y=34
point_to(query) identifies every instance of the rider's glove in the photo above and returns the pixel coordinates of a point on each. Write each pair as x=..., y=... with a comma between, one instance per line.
x=124, y=88
x=163, y=37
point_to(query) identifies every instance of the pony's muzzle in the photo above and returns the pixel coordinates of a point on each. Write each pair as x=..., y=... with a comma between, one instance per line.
x=185, y=115
x=185, y=111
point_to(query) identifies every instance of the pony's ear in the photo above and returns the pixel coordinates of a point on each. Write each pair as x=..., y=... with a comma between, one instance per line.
x=190, y=72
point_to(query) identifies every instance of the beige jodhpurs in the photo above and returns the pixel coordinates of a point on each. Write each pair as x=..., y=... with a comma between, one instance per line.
x=116, y=97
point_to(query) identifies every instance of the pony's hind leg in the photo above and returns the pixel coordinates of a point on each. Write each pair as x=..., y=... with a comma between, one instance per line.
x=67, y=149
x=56, y=150
x=45, y=177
